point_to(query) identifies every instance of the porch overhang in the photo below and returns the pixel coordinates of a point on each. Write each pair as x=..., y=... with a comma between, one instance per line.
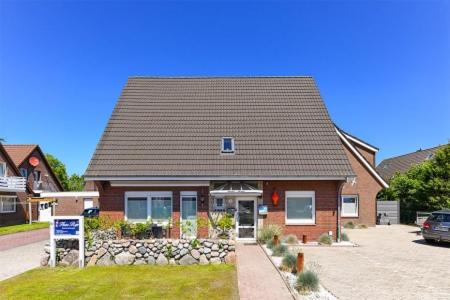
x=236, y=189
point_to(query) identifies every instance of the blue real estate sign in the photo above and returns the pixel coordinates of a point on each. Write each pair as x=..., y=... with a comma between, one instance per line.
x=67, y=227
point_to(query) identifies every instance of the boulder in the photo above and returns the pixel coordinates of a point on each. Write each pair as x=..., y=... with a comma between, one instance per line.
x=214, y=254
x=215, y=247
x=124, y=258
x=183, y=252
x=223, y=254
x=71, y=259
x=175, y=243
x=142, y=250
x=44, y=260
x=105, y=245
x=140, y=262
x=92, y=261
x=215, y=261
x=230, y=258
x=161, y=260
x=151, y=260
x=132, y=249
x=206, y=250
x=106, y=260
x=172, y=261
x=101, y=252
x=187, y=260
x=208, y=244
x=195, y=254
x=203, y=260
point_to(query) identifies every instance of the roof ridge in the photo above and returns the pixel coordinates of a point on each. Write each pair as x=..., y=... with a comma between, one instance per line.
x=420, y=150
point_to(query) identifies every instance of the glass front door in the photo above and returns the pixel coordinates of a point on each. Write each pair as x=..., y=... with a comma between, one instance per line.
x=189, y=215
x=246, y=220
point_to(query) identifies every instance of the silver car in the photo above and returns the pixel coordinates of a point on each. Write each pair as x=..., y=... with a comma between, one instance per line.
x=437, y=227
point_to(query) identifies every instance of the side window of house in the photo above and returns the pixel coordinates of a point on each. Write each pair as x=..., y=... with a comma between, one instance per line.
x=349, y=205
x=300, y=207
x=142, y=206
x=137, y=209
x=2, y=169
x=7, y=204
x=37, y=175
x=219, y=204
x=161, y=208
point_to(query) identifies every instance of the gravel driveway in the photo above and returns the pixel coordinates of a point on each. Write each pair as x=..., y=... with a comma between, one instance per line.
x=392, y=262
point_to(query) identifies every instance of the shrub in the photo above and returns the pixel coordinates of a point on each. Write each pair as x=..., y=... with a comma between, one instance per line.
x=269, y=244
x=307, y=281
x=349, y=225
x=344, y=237
x=91, y=224
x=140, y=230
x=105, y=223
x=289, y=262
x=267, y=232
x=291, y=239
x=226, y=222
x=324, y=238
x=279, y=250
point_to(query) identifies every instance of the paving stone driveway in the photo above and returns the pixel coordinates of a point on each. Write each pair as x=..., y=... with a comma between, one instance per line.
x=393, y=262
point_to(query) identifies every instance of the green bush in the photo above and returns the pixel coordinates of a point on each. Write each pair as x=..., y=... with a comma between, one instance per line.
x=344, y=237
x=269, y=244
x=279, y=250
x=307, y=281
x=324, y=238
x=140, y=230
x=91, y=224
x=349, y=225
x=267, y=232
x=289, y=262
x=291, y=239
x=226, y=222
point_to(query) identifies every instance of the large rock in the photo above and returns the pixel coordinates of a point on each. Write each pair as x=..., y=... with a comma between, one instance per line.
x=215, y=247
x=106, y=260
x=230, y=258
x=101, y=252
x=214, y=254
x=184, y=251
x=140, y=262
x=203, y=260
x=195, y=254
x=92, y=261
x=206, y=250
x=44, y=260
x=161, y=260
x=208, y=244
x=124, y=258
x=71, y=259
x=132, y=249
x=215, y=261
x=187, y=260
x=142, y=250
x=151, y=260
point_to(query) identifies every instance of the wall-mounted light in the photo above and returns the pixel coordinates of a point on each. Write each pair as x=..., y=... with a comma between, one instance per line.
x=275, y=198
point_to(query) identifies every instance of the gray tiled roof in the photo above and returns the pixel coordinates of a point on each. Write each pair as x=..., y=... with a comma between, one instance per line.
x=173, y=127
x=389, y=166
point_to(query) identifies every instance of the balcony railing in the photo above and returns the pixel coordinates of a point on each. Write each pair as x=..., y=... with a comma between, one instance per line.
x=13, y=184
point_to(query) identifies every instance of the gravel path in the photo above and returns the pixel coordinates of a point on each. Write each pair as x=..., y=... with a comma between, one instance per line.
x=20, y=259
x=392, y=262
x=14, y=240
x=257, y=277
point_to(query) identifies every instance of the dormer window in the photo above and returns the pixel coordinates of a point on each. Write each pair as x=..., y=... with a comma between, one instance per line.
x=227, y=145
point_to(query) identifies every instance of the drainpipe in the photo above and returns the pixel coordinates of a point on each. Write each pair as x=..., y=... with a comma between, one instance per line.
x=338, y=232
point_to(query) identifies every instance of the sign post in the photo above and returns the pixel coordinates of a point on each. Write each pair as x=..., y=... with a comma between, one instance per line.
x=63, y=228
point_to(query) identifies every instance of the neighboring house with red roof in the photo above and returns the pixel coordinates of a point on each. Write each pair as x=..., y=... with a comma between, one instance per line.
x=263, y=149
x=402, y=163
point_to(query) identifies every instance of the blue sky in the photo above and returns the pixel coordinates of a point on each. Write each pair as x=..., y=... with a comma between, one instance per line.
x=383, y=68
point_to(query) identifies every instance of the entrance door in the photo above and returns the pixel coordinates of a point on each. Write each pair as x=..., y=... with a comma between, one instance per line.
x=246, y=220
x=189, y=214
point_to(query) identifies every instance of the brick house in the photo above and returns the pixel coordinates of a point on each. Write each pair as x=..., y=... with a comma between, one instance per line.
x=262, y=149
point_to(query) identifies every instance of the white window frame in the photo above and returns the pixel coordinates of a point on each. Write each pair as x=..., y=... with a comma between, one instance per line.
x=8, y=211
x=344, y=215
x=148, y=196
x=222, y=145
x=311, y=194
x=4, y=169
x=218, y=207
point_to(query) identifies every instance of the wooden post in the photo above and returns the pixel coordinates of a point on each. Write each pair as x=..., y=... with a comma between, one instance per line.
x=275, y=240
x=300, y=262
x=29, y=212
x=304, y=239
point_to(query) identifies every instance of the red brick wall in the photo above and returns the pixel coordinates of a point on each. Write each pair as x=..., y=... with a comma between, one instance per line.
x=368, y=155
x=326, y=195
x=367, y=188
x=72, y=206
x=111, y=203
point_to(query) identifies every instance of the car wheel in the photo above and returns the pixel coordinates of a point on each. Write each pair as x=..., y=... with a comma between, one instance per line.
x=430, y=241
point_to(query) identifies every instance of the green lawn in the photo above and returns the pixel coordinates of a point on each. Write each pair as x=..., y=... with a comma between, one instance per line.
x=124, y=282
x=22, y=227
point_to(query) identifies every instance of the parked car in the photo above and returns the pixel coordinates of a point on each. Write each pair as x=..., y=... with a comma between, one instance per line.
x=91, y=212
x=437, y=227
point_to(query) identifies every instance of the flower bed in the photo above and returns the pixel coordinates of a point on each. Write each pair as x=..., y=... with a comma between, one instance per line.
x=140, y=252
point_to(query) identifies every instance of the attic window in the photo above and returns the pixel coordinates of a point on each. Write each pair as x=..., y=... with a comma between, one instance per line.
x=227, y=145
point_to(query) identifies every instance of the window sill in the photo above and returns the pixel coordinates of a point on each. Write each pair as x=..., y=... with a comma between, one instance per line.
x=349, y=216
x=7, y=212
x=303, y=223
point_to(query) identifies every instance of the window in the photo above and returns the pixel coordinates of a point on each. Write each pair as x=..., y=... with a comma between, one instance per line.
x=7, y=204
x=2, y=169
x=161, y=208
x=37, y=175
x=219, y=204
x=137, y=209
x=349, y=205
x=24, y=172
x=227, y=145
x=300, y=207
x=88, y=203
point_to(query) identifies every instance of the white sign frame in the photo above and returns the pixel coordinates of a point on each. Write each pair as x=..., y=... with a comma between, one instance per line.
x=54, y=238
